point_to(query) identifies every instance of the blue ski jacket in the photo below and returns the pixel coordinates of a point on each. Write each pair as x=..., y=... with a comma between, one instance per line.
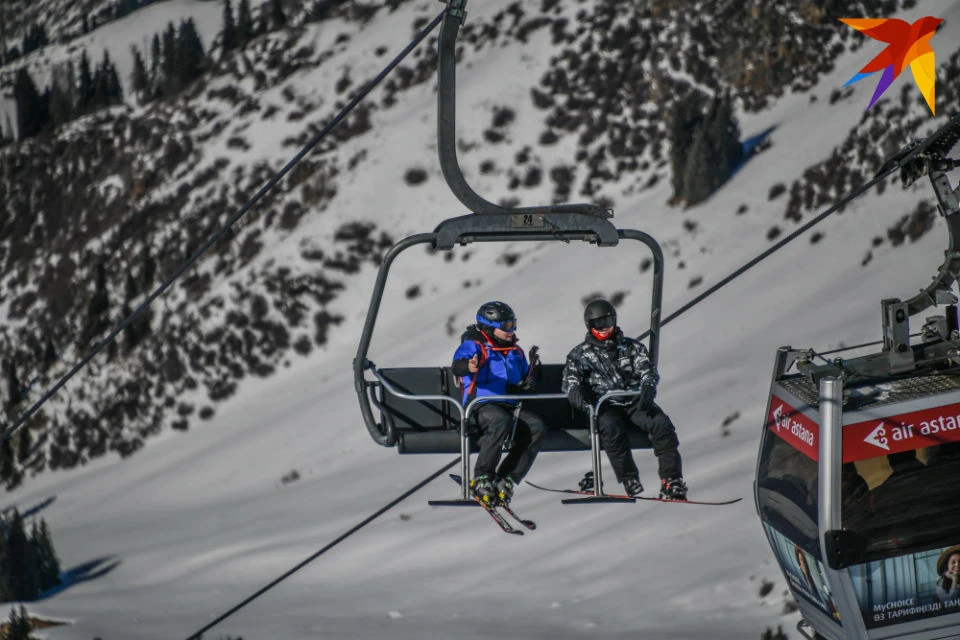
x=499, y=366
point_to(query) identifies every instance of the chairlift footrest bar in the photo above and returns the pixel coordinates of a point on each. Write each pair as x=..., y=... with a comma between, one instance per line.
x=592, y=499
x=459, y=502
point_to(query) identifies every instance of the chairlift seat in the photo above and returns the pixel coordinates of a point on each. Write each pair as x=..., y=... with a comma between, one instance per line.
x=433, y=426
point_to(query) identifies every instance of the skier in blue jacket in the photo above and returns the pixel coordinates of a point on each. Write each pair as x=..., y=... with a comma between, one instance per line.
x=490, y=363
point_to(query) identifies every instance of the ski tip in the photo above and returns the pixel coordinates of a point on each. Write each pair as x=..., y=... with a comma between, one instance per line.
x=715, y=503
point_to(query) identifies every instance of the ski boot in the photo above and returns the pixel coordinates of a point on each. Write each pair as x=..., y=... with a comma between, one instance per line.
x=587, y=482
x=632, y=486
x=505, y=490
x=484, y=489
x=673, y=489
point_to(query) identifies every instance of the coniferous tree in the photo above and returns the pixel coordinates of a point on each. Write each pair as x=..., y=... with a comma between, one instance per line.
x=23, y=580
x=139, y=80
x=24, y=444
x=156, y=56
x=19, y=626
x=769, y=634
x=244, y=23
x=725, y=132
x=112, y=79
x=49, y=354
x=149, y=271
x=168, y=61
x=30, y=117
x=48, y=565
x=96, y=320
x=14, y=388
x=685, y=120
x=5, y=594
x=130, y=292
x=3, y=37
x=228, y=34
x=277, y=16
x=106, y=84
x=190, y=58
x=100, y=96
x=715, y=152
x=85, y=85
x=697, y=171
x=8, y=470
x=45, y=109
x=35, y=38
x=62, y=94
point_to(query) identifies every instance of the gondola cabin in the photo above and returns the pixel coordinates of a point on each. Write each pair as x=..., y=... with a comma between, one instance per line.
x=858, y=484
x=858, y=474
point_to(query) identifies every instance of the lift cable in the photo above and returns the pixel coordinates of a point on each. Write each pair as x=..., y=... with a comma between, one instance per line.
x=9, y=431
x=776, y=247
x=821, y=354
x=406, y=494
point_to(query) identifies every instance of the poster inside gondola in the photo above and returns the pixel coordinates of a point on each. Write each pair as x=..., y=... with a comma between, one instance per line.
x=916, y=586
x=804, y=572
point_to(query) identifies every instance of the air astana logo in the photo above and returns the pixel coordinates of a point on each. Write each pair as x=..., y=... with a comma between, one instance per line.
x=778, y=417
x=878, y=437
x=792, y=425
x=907, y=44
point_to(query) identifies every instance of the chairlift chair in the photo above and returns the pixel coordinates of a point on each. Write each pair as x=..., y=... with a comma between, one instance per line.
x=419, y=408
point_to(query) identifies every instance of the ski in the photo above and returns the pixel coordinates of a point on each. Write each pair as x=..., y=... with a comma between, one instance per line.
x=529, y=524
x=499, y=519
x=627, y=498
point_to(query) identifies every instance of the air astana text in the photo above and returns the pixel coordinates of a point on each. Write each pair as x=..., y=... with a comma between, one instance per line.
x=794, y=427
x=903, y=432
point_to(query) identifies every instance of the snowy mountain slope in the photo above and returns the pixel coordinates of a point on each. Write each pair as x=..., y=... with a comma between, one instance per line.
x=201, y=520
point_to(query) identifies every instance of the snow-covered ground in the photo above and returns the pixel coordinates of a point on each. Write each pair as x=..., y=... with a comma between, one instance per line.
x=197, y=522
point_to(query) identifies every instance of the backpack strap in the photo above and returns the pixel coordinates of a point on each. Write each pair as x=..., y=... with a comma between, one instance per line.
x=483, y=361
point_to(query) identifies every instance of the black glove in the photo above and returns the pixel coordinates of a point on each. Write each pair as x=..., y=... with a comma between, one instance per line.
x=648, y=391
x=536, y=371
x=581, y=398
x=527, y=385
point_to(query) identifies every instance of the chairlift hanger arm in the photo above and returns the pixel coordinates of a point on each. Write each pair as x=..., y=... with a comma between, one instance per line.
x=379, y=432
x=446, y=129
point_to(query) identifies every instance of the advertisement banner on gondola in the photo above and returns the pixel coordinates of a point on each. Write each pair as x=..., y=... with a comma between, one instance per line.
x=799, y=431
x=902, y=432
x=916, y=586
x=804, y=572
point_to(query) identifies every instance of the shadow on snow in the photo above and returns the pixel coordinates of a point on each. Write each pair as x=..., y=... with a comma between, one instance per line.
x=81, y=573
x=750, y=145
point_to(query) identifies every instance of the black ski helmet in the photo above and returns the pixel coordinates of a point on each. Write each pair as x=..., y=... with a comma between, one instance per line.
x=498, y=315
x=599, y=314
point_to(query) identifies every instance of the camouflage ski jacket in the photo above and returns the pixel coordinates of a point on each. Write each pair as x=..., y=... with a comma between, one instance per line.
x=618, y=363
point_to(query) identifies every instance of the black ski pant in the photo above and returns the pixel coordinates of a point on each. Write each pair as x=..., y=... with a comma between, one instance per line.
x=496, y=425
x=613, y=424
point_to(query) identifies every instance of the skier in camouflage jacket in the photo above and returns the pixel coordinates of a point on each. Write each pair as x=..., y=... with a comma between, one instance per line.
x=606, y=361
